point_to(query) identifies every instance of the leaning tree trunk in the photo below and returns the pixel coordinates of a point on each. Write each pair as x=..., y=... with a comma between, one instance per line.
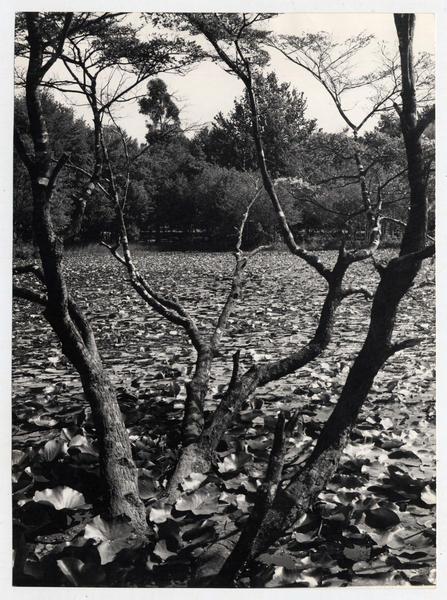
x=292, y=502
x=199, y=454
x=397, y=277
x=68, y=322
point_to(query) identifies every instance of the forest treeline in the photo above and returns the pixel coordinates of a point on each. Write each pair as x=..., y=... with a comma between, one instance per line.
x=190, y=187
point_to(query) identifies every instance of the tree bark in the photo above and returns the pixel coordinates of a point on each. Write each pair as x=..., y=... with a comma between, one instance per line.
x=66, y=319
x=292, y=502
x=396, y=278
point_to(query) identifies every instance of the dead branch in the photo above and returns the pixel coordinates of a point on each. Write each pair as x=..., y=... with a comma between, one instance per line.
x=264, y=497
x=22, y=151
x=350, y=291
x=403, y=225
x=404, y=344
x=23, y=293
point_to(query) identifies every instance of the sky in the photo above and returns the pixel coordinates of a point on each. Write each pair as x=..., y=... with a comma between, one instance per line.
x=208, y=89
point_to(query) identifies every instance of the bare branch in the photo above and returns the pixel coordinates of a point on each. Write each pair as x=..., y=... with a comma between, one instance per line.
x=237, y=280
x=425, y=120
x=403, y=225
x=23, y=293
x=57, y=169
x=375, y=237
x=258, y=249
x=235, y=370
x=350, y=291
x=426, y=252
x=22, y=151
x=114, y=251
x=408, y=343
x=83, y=326
x=237, y=559
x=59, y=46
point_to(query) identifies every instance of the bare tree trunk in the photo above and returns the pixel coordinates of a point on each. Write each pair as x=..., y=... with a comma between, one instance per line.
x=199, y=455
x=397, y=277
x=196, y=391
x=323, y=462
x=66, y=319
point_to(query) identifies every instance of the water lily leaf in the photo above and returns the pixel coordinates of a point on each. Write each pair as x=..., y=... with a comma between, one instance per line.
x=234, y=462
x=43, y=421
x=279, y=559
x=18, y=457
x=200, y=502
x=170, y=532
x=160, y=512
x=53, y=449
x=198, y=533
x=371, y=568
x=359, y=451
x=109, y=549
x=377, y=578
x=82, y=444
x=357, y=553
x=78, y=573
x=107, y=530
x=147, y=488
x=61, y=497
x=405, y=457
x=242, y=504
x=428, y=495
x=112, y=535
x=381, y=518
x=386, y=423
x=162, y=551
x=193, y=481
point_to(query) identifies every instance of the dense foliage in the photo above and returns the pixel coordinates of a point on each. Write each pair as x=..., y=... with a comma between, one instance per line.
x=191, y=190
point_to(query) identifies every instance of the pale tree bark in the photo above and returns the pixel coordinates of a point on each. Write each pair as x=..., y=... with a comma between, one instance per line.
x=70, y=325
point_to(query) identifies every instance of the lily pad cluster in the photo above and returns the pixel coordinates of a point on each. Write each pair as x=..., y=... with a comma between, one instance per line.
x=375, y=524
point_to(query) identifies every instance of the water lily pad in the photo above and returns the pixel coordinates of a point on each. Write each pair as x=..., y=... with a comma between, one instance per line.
x=280, y=559
x=78, y=573
x=106, y=530
x=147, y=488
x=381, y=518
x=200, y=502
x=43, y=421
x=160, y=512
x=193, y=481
x=18, y=457
x=234, y=462
x=113, y=536
x=53, y=449
x=61, y=497
x=162, y=551
x=428, y=495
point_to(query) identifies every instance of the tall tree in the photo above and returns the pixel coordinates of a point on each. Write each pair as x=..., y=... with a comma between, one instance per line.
x=163, y=112
x=282, y=122
x=281, y=508
x=60, y=310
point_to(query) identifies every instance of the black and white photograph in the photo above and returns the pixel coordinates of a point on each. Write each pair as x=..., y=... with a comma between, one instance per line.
x=223, y=306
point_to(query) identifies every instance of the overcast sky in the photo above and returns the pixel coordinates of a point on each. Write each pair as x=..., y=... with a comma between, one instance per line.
x=208, y=89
